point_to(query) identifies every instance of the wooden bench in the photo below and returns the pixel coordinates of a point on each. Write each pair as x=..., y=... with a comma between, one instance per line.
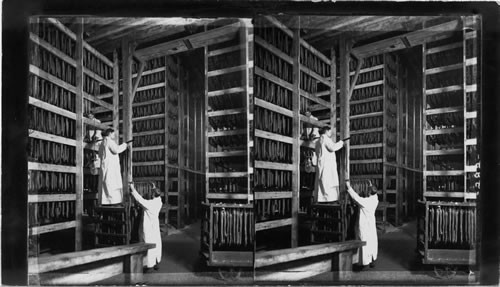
x=293, y=264
x=89, y=266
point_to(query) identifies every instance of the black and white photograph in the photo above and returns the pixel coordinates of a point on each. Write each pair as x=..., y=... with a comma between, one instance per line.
x=272, y=149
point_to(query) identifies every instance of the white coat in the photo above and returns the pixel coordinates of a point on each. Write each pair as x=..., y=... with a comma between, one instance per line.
x=110, y=177
x=149, y=231
x=326, y=187
x=366, y=228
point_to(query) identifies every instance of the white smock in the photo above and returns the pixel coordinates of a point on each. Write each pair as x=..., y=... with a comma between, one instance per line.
x=149, y=231
x=326, y=187
x=110, y=177
x=366, y=228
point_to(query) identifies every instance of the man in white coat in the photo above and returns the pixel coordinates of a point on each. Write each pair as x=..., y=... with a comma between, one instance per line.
x=149, y=231
x=366, y=229
x=326, y=187
x=110, y=177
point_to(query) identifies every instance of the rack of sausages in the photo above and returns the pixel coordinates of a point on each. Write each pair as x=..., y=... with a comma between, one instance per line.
x=227, y=143
x=227, y=101
x=150, y=79
x=327, y=224
x=445, y=120
x=231, y=164
x=314, y=63
x=48, y=182
x=49, y=122
x=90, y=184
x=274, y=151
x=443, y=100
x=272, y=180
x=273, y=209
x=232, y=227
x=366, y=108
x=273, y=122
x=445, y=162
x=51, y=152
x=149, y=95
x=276, y=66
x=96, y=65
x=110, y=228
x=148, y=125
x=228, y=185
x=149, y=140
x=445, y=183
x=150, y=170
x=51, y=93
x=147, y=110
x=44, y=213
x=150, y=155
x=52, y=64
x=150, y=64
x=225, y=81
x=366, y=123
x=277, y=38
x=445, y=141
x=55, y=37
x=451, y=227
x=227, y=122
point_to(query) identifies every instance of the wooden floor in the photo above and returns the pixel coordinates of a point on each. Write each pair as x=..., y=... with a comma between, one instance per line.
x=397, y=262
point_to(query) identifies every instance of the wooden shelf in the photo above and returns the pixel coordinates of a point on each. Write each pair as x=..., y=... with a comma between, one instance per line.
x=470, y=195
x=368, y=100
x=150, y=102
x=312, y=121
x=226, y=50
x=150, y=178
x=375, y=145
x=215, y=73
x=148, y=163
x=149, y=87
x=443, y=131
x=355, y=132
x=471, y=115
x=94, y=123
x=471, y=88
x=258, y=40
x=52, y=138
x=308, y=144
x=268, y=76
x=314, y=98
x=471, y=61
x=234, y=196
x=51, y=108
x=272, y=136
x=315, y=75
x=32, y=198
x=470, y=168
x=258, y=195
x=227, y=153
x=227, y=112
x=42, y=43
x=444, y=152
x=146, y=133
x=374, y=114
x=150, y=117
x=227, y=133
x=470, y=35
x=366, y=85
x=36, y=230
x=148, y=72
x=444, y=110
x=52, y=167
x=471, y=142
x=273, y=107
x=377, y=160
x=226, y=174
x=443, y=172
x=444, y=69
x=444, y=194
x=273, y=165
x=272, y=224
x=444, y=90
x=226, y=91
x=147, y=148
x=444, y=48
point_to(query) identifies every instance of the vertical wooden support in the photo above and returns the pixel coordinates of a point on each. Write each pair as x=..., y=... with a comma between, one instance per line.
x=79, y=135
x=132, y=267
x=345, y=51
x=165, y=143
x=205, y=123
x=342, y=265
x=464, y=91
x=422, y=122
x=116, y=94
x=296, y=133
x=181, y=157
x=333, y=94
x=385, y=133
x=127, y=54
x=244, y=39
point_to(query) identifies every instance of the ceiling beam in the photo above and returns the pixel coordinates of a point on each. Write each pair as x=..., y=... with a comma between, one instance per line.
x=115, y=28
x=340, y=22
x=402, y=41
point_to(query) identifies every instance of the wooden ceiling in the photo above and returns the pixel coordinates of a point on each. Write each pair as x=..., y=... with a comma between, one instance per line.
x=323, y=32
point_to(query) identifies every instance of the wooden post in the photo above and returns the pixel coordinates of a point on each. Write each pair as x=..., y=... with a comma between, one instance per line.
x=132, y=267
x=116, y=95
x=244, y=39
x=79, y=135
x=127, y=54
x=345, y=51
x=165, y=143
x=342, y=265
x=182, y=145
x=205, y=125
x=333, y=94
x=296, y=133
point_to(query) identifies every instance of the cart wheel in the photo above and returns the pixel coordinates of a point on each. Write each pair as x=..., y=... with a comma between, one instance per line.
x=446, y=272
x=231, y=274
